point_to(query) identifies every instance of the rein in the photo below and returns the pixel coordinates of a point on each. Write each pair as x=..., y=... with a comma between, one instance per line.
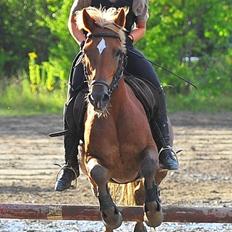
x=119, y=72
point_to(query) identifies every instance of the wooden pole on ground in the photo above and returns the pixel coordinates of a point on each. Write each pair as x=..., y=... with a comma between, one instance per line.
x=91, y=213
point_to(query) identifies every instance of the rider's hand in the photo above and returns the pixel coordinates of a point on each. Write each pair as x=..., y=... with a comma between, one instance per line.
x=129, y=40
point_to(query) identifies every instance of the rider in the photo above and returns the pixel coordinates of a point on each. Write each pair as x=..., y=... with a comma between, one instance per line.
x=137, y=65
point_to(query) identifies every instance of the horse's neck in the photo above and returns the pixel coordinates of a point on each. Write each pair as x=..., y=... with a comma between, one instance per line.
x=120, y=96
x=118, y=105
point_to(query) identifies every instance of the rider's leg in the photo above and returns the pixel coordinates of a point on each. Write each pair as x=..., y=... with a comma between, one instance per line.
x=72, y=137
x=141, y=68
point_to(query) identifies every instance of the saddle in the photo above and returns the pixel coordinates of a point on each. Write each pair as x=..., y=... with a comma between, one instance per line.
x=146, y=92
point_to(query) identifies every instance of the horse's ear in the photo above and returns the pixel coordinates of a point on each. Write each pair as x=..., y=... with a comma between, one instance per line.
x=88, y=22
x=121, y=18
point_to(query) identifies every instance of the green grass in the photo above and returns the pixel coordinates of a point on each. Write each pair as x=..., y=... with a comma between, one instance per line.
x=18, y=100
x=200, y=102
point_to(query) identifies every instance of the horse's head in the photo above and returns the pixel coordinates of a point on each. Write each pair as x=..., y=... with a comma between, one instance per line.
x=104, y=53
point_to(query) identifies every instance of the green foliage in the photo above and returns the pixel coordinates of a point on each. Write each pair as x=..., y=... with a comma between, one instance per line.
x=65, y=48
x=35, y=26
x=20, y=34
x=182, y=29
x=177, y=31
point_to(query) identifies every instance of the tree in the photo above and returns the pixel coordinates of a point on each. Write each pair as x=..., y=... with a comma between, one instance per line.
x=21, y=33
x=182, y=29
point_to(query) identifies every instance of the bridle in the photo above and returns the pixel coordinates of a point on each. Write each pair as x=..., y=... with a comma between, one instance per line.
x=119, y=72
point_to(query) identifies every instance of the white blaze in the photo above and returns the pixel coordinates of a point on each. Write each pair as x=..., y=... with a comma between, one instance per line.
x=101, y=46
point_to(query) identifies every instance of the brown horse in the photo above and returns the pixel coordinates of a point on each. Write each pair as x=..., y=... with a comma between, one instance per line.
x=118, y=143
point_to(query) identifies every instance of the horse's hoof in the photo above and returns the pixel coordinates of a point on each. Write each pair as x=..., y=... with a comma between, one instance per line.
x=139, y=227
x=153, y=215
x=112, y=218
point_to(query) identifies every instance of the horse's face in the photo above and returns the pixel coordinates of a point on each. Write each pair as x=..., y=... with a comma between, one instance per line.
x=103, y=60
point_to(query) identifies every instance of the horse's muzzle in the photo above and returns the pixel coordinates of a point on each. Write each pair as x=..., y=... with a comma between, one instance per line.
x=99, y=97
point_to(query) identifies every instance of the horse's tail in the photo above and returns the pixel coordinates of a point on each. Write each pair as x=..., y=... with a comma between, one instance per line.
x=128, y=194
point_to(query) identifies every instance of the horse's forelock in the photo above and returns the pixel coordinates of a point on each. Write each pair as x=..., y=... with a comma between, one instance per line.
x=104, y=18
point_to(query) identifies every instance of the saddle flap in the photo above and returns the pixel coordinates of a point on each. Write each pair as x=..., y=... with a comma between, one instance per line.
x=145, y=92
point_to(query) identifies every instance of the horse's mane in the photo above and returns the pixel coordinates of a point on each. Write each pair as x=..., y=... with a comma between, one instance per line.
x=104, y=18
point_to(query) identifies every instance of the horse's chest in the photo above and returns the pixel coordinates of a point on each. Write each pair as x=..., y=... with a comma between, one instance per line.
x=123, y=138
x=100, y=134
x=111, y=145
x=127, y=137
x=118, y=145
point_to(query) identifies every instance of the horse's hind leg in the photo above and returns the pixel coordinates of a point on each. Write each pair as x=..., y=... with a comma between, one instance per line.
x=153, y=212
x=99, y=175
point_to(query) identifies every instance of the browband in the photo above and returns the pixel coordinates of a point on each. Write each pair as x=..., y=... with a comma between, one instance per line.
x=98, y=35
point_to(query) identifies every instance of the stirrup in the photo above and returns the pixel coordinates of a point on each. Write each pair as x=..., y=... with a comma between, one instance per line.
x=66, y=166
x=171, y=149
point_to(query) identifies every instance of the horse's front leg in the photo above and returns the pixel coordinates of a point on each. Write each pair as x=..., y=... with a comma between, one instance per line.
x=153, y=211
x=100, y=177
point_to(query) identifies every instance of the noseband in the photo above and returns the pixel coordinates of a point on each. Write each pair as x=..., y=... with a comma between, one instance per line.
x=119, y=72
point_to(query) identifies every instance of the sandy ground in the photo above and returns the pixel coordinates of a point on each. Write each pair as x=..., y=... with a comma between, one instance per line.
x=28, y=155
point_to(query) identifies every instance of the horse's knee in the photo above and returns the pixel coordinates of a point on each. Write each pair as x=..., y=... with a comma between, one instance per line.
x=99, y=174
x=149, y=166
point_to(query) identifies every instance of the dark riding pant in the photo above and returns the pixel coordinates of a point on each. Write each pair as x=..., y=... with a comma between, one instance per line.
x=76, y=80
x=140, y=67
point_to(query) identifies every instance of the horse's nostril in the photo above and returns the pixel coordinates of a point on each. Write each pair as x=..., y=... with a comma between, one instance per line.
x=105, y=98
x=99, y=99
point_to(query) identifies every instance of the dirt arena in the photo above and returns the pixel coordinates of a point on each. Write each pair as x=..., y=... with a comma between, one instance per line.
x=28, y=155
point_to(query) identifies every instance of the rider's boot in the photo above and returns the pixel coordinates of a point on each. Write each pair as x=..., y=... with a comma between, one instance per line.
x=161, y=135
x=70, y=170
